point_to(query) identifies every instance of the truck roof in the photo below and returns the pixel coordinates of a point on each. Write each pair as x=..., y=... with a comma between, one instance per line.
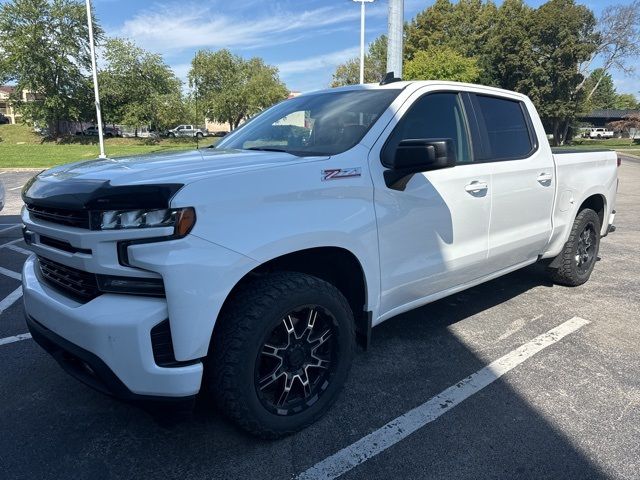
x=401, y=85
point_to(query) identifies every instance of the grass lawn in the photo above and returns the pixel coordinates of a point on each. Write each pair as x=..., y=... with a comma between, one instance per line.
x=613, y=143
x=20, y=147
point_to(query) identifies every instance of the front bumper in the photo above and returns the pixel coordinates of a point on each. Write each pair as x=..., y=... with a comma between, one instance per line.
x=105, y=342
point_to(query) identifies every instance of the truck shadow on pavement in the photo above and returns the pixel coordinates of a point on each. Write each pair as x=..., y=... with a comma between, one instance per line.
x=496, y=433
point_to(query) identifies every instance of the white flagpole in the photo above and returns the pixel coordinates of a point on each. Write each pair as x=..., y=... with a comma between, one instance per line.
x=95, y=80
x=362, y=16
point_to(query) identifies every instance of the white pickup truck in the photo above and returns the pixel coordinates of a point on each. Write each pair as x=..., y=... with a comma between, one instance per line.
x=251, y=271
x=188, y=131
x=601, y=133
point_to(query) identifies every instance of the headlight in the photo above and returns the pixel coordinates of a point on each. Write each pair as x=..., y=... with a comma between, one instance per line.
x=182, y=219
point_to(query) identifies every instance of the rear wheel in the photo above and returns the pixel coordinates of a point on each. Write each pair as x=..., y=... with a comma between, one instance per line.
x=579, y=255
x=199, y=135
x=281, y=353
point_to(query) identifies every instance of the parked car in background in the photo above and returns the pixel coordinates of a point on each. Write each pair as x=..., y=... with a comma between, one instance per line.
x=219, y=134
x=188, y=131
x=250, y=271
x=108, y=132
x=4, y=120
x=600, y=133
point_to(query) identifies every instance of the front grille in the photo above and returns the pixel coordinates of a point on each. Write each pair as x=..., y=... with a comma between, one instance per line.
x=62, y=245
x=71, y=218
x=75, y=283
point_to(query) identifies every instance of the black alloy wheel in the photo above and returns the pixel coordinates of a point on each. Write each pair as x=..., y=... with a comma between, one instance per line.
x=586, y=248
x=297, y=361
x=281, y=351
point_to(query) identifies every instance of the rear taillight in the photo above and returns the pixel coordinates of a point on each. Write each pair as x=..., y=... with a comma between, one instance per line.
x=619, y=160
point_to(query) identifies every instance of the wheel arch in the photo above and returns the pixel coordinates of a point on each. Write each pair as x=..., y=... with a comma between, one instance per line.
x=335, y=265
x=596, y=202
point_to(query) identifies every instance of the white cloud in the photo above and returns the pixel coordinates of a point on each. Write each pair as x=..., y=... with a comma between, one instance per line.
x=327, y=61
x=163, y=29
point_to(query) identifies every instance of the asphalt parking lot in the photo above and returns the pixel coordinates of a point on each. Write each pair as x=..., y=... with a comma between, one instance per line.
x=564, y=406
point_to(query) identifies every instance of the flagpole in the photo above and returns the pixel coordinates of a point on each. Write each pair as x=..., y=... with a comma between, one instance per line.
x=95, y=80
x=362, y=31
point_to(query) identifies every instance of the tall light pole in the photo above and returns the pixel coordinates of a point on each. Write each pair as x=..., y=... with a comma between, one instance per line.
x=96, y=93
x=362, y=15
x=394, y=46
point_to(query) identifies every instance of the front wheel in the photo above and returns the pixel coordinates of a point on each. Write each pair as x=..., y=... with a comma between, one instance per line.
x=280, y=353
x=579, y=255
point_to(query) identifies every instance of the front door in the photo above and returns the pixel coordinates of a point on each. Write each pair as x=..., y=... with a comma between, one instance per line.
x=433, y=233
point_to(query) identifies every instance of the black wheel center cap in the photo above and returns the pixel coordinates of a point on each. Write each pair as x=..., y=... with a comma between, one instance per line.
x=296, y=356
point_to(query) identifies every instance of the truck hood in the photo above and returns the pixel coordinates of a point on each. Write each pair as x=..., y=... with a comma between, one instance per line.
x=181, y=167
x=79, y=185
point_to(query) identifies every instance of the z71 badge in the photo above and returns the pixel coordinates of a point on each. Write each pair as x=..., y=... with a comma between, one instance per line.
x=337, y=173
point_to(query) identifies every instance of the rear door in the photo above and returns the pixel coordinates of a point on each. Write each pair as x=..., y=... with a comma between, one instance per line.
x=522, y=180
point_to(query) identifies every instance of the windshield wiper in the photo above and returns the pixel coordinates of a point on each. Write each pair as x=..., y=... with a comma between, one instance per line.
x=268, y=149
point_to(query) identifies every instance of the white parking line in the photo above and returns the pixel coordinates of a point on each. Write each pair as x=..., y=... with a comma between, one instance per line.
x=11, y=242
x=17, y=338
x=10, y=273
x=21, y=250
x=10, y=228
x=403, y=426
x=10, y=299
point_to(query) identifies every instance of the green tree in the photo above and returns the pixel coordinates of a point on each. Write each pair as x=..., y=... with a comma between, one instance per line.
x=44, y=48
x=563, y=36
x=137, y=87
x=375, y=66
x=231, y=89
x=604, y=92
x=510, y=58
x=441, y=63
x=626, y=101
x=465, y=26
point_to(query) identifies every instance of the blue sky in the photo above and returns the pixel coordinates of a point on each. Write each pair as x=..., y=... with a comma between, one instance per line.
x=306, y=39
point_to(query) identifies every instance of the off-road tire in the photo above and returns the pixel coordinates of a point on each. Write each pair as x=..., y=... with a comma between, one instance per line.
x=567, y=272
x=238, y=337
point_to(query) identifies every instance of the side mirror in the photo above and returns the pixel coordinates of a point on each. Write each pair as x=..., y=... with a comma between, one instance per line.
x=418, y=155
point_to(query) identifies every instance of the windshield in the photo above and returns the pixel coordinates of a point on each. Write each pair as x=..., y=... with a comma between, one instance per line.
x=322, y=124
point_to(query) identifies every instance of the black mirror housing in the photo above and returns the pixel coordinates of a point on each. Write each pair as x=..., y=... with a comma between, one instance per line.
x=419, y=155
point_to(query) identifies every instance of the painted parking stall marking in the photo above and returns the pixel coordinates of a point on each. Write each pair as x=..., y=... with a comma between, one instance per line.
x=14, y=339
x=10, y=273
x=10, y=299
x=403, y=426
x=6, y=229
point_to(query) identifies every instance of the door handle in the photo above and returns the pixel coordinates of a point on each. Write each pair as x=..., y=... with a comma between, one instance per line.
x=545, y=177
x=476, y=186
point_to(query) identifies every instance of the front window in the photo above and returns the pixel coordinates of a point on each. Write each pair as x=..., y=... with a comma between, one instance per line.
x=319, y=124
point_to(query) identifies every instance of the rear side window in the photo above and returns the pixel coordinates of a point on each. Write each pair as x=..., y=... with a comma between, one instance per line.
x=507, y=130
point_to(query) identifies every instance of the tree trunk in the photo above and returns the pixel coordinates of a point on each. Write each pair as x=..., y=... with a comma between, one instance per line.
x=556, y=132
x=565, y=131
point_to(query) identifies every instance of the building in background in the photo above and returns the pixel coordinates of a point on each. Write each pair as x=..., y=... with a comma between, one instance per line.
x=6, y=102
x=600, y=118
x=6, y=108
